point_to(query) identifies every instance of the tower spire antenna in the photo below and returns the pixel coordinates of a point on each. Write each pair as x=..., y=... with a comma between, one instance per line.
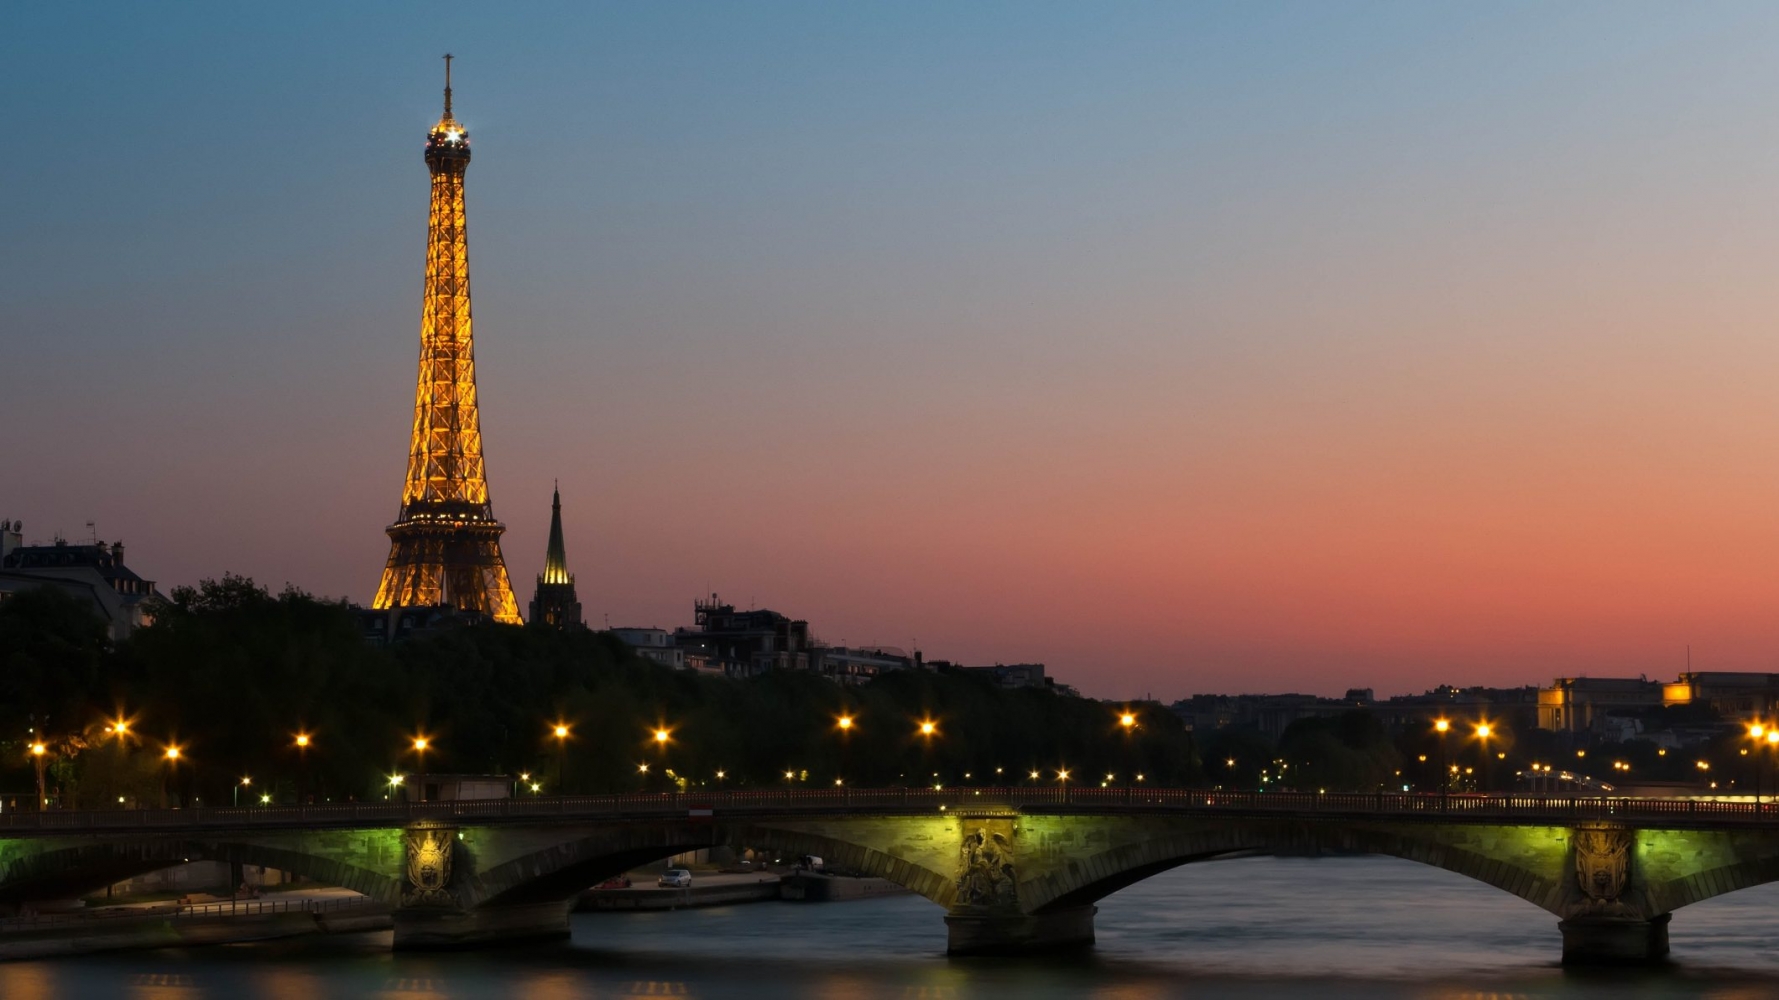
x=447, y=83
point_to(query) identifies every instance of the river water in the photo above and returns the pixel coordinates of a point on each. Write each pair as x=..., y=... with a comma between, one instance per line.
x=1248, y=928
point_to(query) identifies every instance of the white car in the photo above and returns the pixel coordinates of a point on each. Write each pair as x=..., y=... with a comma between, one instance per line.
x=676, y=878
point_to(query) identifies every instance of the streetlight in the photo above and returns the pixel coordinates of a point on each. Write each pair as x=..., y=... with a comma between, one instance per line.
x=38, y=750
x=1756, y=732
x=243, y=783
x=1441, y=727
x=560, y=731
x=1128, y=720
x=302, y=747
x=420, y=745
x=1483, y=731
x=929, y=728
x=171, y=756
x=1773, y=739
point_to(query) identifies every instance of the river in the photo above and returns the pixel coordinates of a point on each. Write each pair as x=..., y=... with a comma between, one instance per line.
x=1247, y=928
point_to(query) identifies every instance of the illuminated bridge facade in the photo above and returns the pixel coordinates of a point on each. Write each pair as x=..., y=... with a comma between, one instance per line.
x=1013, y=869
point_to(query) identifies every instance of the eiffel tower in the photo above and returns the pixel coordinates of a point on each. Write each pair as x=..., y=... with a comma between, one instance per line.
x=445, y=544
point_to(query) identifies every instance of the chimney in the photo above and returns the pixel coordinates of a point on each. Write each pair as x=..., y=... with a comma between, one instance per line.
x=117, y=555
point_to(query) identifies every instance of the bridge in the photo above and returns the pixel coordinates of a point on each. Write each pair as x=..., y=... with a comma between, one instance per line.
x=1014, y=869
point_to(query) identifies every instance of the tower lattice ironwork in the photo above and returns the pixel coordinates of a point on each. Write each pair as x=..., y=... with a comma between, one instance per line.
x=445, y=544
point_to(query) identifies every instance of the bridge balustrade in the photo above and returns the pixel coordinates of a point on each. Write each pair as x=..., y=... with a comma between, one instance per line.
x=744, y=802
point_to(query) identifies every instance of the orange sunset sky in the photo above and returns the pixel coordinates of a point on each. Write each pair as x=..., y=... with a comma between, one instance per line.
x=1180, y=347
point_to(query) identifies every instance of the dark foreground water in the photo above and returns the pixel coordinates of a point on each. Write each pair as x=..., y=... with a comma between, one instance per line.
x=1252, y=928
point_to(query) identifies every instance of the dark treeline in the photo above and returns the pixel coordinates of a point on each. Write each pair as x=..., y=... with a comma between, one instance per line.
x=231, y=674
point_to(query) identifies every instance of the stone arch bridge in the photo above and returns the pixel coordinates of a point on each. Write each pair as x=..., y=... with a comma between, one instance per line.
x=1014, y=869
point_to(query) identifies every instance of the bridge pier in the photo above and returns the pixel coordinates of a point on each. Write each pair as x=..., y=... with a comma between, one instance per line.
x=1011, y=934
x=434, y=928
x=1615, y=941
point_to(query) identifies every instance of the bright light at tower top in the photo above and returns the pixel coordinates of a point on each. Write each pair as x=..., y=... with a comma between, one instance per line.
x=448, y=139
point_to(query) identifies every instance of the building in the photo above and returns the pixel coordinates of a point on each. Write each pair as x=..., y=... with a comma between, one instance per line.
x=554, y=602
x=859, y=665
x=1584, y=704
x=94, y=572
x=444, y=547
x=1013, y=675
x=1743, y=696
x=744, y=643
x=655, y=644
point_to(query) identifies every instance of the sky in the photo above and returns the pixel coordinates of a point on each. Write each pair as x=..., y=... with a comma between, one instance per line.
x=1183, y=347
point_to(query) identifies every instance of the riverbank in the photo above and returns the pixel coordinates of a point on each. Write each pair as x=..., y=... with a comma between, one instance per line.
x=160, y=926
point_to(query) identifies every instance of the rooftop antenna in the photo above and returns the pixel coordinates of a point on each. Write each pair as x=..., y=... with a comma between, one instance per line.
x=447, y=84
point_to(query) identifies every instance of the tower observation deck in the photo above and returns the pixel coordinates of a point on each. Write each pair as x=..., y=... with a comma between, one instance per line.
x=445, y=542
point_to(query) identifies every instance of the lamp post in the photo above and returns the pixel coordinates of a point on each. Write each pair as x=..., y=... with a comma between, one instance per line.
x=1441, y=727
x=1773, y=740
x=662, y=736
x=420, y=745
x=844, y=724
x=38, y=752
x=1483, y=732
x=243, y=783
x=172, y=759
x=560, y=731
x=1127, y=722
x=302, y=747
x=1757, y=732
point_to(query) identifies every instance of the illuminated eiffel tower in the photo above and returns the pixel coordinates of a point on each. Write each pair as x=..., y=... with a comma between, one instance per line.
x=445, y=544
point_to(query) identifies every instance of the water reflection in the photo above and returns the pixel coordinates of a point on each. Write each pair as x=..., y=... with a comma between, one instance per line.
x=1250, y=928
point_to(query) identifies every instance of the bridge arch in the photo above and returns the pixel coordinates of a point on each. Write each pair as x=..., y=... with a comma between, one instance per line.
x=59, y=869
x=1533, y=871
x=852, y=854
x=557, y=872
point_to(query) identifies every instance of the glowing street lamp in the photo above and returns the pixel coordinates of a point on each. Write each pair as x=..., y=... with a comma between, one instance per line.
x=38, y=752
x=560, y=731
x=1759, y=733
x=1772, y=744
x=302, y=742
x=1441, y=727
x=243, y=783
x=929, y=728
x=420, y=745
x=1128, y=720
x=844, y=723
x=1483, y=732
x=171, y=756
